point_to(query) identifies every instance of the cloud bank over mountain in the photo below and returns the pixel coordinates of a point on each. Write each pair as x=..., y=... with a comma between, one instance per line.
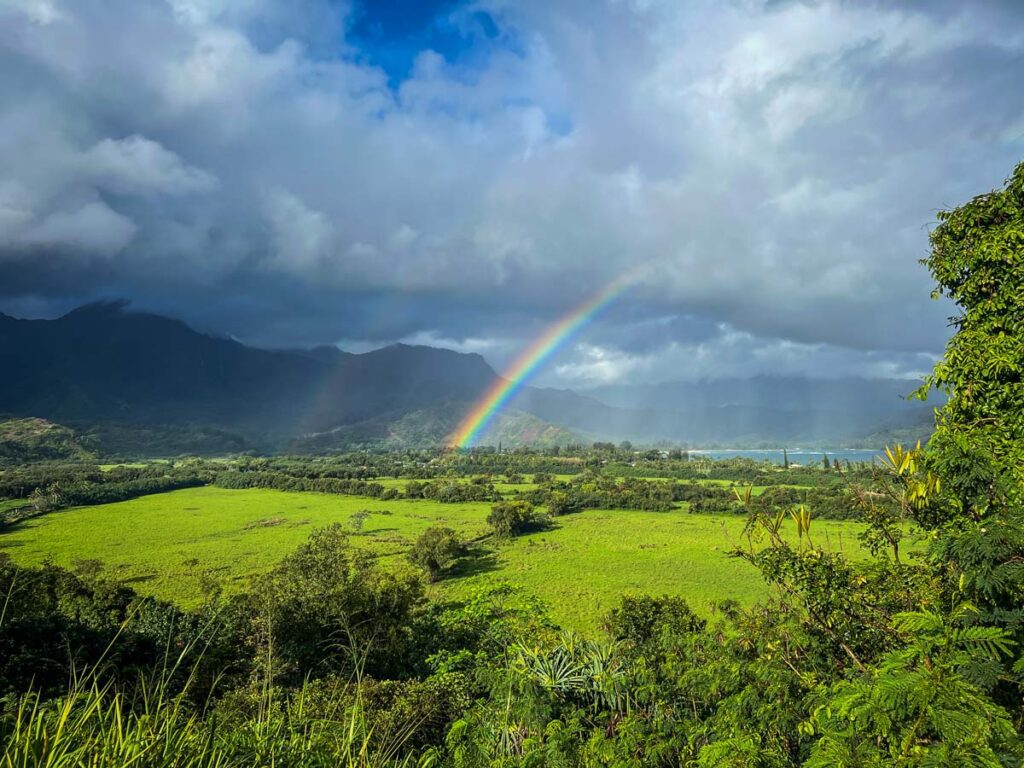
x=323, y=172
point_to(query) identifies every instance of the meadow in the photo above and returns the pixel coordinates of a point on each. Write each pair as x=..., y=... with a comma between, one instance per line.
x=172, y=545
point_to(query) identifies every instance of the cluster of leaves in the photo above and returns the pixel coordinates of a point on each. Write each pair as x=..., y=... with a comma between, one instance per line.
x=295, y=477
x=436, y=550
x=511, y=518
x=588, y=490
x=452, y=491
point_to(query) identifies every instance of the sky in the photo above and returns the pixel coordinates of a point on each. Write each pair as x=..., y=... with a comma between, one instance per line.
x=462, y=174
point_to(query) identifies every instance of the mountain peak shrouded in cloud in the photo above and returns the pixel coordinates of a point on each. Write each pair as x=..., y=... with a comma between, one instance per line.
x=129, y=376
x=299, y=175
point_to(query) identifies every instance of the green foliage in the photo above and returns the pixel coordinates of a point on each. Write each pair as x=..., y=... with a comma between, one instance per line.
x=23, y=441
x=330, y=606
x=978, y=260
x=640, y=621
x=315, y=726
x=510, y=518
x=977, y=516
x=919, y=707
x=436, y=550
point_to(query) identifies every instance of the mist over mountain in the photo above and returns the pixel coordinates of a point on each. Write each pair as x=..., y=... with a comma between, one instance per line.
x=132, y=376
x=865, y=396
x=769, y=409
x=865, y=418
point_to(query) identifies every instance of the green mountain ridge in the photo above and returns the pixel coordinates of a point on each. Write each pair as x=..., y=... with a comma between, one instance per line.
x=144, y=384
x=431, y=427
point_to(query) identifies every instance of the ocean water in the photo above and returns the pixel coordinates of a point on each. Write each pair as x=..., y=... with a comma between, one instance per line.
x=796, y=455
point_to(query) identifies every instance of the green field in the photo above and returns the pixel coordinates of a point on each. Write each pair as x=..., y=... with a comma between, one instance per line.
x=167, y=544
x=582, y=568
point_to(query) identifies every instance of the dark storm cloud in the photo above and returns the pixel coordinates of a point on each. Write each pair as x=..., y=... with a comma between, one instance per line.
x=323, y=175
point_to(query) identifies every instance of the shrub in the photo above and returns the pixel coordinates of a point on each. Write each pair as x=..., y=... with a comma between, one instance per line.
x=639, y=620
x=436, y=549
x=510, y=518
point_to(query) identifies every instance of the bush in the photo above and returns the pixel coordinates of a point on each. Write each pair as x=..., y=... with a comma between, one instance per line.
x=639, y=620
x=510, y=518
x=436, y=550
x=329, y=603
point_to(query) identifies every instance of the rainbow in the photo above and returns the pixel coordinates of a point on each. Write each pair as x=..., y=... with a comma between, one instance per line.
x=531, y=360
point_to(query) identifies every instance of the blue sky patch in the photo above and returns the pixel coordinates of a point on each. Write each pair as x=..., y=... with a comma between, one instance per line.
x=390, y=34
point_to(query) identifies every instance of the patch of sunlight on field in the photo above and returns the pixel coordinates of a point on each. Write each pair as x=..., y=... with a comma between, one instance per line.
x=166, y=544
x=582, y=568
x=505, y=489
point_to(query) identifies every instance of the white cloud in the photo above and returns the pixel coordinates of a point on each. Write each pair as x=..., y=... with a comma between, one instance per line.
x=137, y=165
x=300, y=236
x=92, y=228
x=730, y=354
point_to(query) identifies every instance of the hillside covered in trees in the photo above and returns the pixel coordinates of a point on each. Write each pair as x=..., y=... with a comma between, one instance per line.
x=137, y=383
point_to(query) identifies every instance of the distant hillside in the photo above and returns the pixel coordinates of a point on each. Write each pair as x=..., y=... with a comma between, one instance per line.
x=103, y=362
x=140, y=383
x=772, y=410
x=429, y=427
x=28, y=440
x=707, y=423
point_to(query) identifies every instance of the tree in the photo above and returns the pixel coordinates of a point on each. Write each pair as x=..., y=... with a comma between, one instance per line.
x=919, y=706
x=977, y=258
x=357, y=519
x=977, y=450
x=330, y=606
x=512, y=517
x=639, y=619
x=436, y=550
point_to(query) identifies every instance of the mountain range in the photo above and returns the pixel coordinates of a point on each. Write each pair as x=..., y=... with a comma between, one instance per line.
x=136, y=380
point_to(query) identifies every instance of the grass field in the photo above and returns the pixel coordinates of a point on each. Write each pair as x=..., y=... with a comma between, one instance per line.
x=582, y=568
x=166, y=544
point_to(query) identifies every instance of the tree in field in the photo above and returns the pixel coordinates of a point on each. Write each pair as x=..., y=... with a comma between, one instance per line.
x=825, y=463
x=330, y=606
x=512, y=517
x=436, y=550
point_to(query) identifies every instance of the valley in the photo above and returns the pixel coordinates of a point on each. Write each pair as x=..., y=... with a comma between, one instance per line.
x=189, y=544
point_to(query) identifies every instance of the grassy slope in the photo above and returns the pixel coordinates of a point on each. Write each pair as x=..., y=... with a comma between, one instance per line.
x=29, y=439
x=164, y=544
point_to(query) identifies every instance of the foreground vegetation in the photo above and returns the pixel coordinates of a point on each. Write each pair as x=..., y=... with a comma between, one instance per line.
x=336, y=656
